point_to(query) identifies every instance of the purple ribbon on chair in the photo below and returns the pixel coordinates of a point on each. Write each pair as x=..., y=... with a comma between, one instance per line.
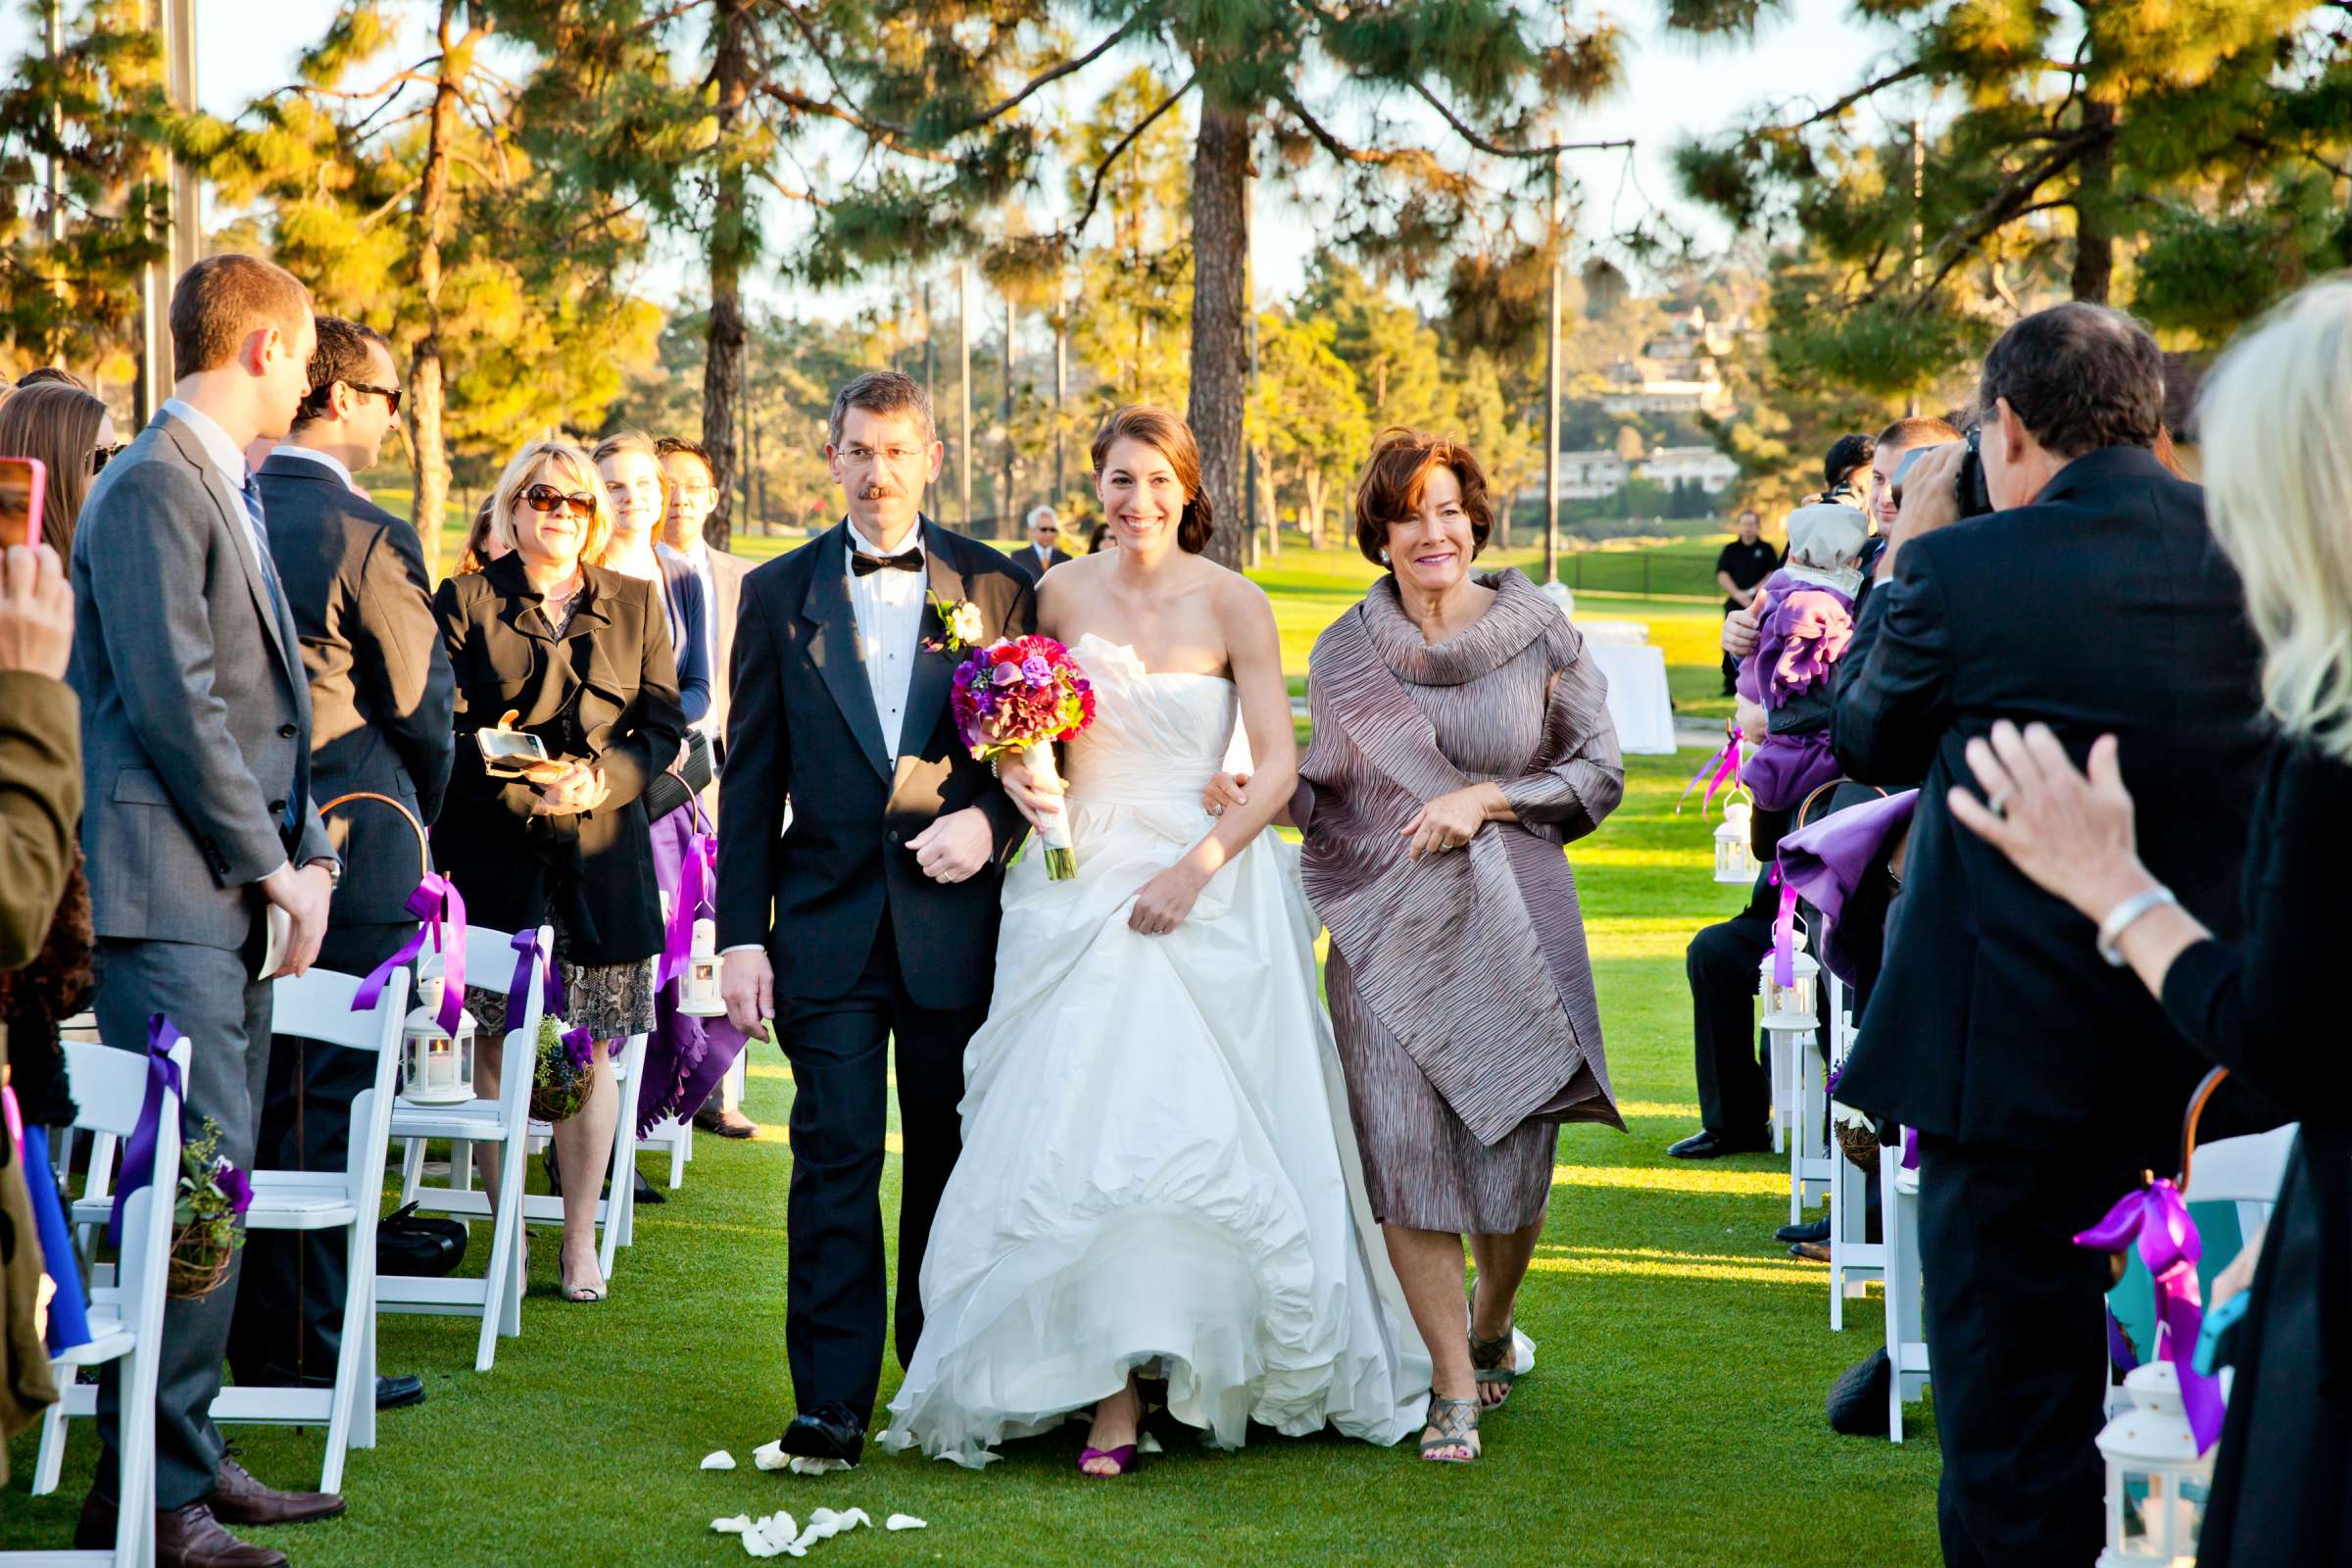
x=139, y=1155
x=1784, y=934
x=440, y=908
x=698, y=876
x=550, y=984
x=1723, y=764
x=2158, y=1220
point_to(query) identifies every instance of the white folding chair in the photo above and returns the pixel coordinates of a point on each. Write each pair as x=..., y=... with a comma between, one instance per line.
x=126, y=1317
x=2245, y=1171
x=1854, y=1259
x=1906, y=1330
x=672, y=1135
x=617, y=1211
x=503, y=1123
x=317, y=1007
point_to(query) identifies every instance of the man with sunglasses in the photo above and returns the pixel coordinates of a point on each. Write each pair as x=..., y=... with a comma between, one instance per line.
x=381, y=695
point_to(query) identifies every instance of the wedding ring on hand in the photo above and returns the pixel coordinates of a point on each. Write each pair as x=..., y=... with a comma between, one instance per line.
x=1999, y=805
x=1217, y=809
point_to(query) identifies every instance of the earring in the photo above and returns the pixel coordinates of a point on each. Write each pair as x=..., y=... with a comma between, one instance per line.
x=1384, y=558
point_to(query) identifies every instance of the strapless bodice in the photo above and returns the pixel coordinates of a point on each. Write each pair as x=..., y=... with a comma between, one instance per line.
x=1157, y=737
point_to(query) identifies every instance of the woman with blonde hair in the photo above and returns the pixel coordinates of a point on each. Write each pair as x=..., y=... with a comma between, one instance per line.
x=581, y=655
x=73, y=435
x=2278, y=493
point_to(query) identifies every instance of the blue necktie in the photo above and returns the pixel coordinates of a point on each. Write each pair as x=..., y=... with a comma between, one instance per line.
x=252, y=493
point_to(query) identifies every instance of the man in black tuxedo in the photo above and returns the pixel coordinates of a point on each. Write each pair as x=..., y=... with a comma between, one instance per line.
x=2041, y=1082
x=380, y=703
x=883, y=888
x=1045, y=551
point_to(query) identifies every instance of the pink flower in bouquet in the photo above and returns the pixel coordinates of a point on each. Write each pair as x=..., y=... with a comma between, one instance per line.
x=1016, y=697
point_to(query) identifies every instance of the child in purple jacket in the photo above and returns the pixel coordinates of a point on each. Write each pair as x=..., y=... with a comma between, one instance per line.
x=1785, y=685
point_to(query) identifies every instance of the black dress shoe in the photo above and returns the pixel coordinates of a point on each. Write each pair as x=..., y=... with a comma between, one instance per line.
x=1707, y=1145
x=1816, y=1231
x=647, y=1191
x=392, y=1392
x=399, y=1389
x=831, y=1431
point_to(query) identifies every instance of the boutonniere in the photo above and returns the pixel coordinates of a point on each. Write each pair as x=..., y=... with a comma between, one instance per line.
x=961, y=626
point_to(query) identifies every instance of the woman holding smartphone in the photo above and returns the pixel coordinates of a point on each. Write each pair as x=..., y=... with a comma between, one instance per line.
x=581, y=656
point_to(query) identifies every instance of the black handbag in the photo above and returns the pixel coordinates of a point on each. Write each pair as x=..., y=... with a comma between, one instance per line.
x=423, y=1245
x=689, y=776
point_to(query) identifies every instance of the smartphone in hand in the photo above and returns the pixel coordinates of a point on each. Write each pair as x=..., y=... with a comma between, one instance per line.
x=22, y=483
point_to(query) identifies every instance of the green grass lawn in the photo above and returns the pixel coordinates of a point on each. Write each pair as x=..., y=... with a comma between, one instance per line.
x=1675, y=1416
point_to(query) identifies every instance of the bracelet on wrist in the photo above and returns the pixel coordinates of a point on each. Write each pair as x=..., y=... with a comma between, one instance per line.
x=2124, y=915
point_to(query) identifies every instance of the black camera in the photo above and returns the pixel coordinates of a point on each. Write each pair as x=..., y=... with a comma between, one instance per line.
x=1969, y=489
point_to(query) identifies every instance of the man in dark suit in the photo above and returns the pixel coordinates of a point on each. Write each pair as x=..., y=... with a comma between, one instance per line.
x=2042, y=1084
x=197, y=764
x=883, y=888
x=380, y=703
x=1045, y=551
x=693, y=486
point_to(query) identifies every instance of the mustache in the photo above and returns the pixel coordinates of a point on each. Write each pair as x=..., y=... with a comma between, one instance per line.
x=878, y=492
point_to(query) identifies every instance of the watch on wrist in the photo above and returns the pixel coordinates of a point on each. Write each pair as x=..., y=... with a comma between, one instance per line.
x=335, y=871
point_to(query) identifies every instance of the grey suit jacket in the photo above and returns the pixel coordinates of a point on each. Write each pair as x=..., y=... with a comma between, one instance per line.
x=381, y=694
x=195, y=712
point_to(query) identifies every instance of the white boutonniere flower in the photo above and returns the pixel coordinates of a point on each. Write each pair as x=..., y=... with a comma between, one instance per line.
x=964, y=628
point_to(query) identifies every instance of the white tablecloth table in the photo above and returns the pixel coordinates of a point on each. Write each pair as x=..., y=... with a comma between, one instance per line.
x=1638, y=696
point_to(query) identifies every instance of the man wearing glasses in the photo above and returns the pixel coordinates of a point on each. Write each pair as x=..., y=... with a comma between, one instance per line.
x=381, y=695
x=692, y=483
x=1045, y=551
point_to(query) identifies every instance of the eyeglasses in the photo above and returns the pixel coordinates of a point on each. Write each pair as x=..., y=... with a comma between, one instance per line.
x=100, y=456
x=546, y=497
x=896, y=457
x=390, y=394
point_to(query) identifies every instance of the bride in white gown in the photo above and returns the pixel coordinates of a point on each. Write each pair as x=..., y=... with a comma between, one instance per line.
x=1157, y=1172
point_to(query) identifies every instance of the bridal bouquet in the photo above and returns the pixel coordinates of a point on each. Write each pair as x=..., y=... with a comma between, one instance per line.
x=1019, y=695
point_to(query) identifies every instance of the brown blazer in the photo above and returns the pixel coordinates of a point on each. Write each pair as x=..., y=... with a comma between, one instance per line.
x=607, y=690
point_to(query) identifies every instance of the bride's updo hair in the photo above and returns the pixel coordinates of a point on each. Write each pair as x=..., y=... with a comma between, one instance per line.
x=1172, y=438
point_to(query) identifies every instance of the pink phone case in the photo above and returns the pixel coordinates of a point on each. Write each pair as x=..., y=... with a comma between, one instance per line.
x=36, y=481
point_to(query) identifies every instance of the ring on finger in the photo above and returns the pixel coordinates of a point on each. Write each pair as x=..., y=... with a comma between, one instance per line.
x=1999, y=805
x=1216, y=808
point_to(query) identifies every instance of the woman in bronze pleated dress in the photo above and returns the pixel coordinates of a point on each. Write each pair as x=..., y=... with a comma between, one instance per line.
x=1460, y=739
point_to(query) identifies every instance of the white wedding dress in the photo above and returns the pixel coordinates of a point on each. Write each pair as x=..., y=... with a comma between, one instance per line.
x=1158, y=1164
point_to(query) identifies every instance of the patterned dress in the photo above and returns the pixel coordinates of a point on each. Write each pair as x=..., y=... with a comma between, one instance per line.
x=1461, y=992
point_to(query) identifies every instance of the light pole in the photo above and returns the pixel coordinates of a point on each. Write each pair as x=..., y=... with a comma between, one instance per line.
x=1552, y=394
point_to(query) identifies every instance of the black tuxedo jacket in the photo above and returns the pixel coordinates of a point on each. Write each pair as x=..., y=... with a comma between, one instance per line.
x=2102, y=607
x=381, y=692
x=802, y=729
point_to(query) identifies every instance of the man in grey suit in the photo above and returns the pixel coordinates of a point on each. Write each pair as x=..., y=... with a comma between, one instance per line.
x=381, y=697
x=692, y=483
x=197, y=768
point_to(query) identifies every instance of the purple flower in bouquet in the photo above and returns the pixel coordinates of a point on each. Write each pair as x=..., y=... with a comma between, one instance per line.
x=235, y=1186
x=580, y=1047
x=1016, y=697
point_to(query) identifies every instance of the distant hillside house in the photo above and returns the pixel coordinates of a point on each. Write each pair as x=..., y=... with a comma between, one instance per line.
x=1598, y=475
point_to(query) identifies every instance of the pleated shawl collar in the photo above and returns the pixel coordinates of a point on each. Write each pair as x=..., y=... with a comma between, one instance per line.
x=1518, y=617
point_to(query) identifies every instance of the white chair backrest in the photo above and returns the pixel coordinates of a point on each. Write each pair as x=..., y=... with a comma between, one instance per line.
x=490, y=965
x=108, y=1086
x=2240, y=1170
x=317, y=1007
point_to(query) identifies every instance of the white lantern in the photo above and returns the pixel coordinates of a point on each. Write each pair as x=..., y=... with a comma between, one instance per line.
x=2156, y=1483
x=1735, y=857
x=436, y=1064
x=1790, y=1007
x=698, y=982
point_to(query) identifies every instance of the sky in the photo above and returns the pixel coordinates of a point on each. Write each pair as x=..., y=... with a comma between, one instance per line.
x=1675, y=88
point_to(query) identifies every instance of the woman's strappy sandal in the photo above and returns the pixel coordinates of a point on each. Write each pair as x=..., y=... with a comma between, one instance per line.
x=1494, y=1362
x=1451, y=1424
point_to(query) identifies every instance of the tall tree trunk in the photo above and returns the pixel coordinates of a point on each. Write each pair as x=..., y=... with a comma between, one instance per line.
x=731, y=238
x=429, y=451
x=1220, y=361
x=2094, y=228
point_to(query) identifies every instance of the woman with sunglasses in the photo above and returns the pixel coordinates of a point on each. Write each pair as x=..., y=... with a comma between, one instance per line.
x=72, y=433
x=581, y=656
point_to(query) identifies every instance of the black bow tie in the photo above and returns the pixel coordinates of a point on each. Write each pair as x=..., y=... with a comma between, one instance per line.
x=865, y=566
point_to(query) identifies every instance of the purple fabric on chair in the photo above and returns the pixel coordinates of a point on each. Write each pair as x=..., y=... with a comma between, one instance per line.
x=1826, y=861
x=684, y=1058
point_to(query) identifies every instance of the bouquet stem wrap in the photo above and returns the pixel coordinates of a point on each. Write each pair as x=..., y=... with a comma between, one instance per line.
x=1061, y=860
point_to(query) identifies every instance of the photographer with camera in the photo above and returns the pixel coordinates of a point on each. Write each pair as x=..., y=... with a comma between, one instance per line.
x=2041, y=1091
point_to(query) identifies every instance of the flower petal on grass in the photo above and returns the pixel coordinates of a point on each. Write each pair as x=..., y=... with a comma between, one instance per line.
x=719, y=1459
x=905, y=1521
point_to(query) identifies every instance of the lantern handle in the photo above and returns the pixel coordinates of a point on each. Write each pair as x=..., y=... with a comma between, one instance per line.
x=2196, y=1111
x=1804, y=812
x=424, y=853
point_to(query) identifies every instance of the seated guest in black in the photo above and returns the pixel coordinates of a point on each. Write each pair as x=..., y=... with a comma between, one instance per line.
x=2265, y=1007
x=2094, y=601
x=1740, y=568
